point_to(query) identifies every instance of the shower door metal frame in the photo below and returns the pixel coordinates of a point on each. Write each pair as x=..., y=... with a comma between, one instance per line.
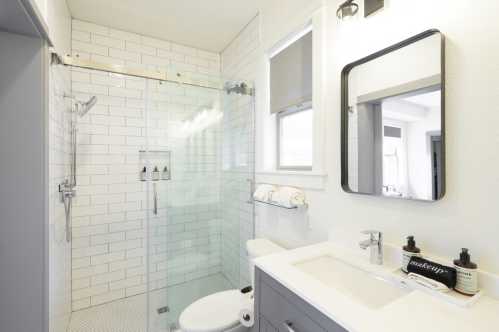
x=158, y=75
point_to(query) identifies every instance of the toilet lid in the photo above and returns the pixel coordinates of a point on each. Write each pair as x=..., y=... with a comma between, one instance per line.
x=213, y=313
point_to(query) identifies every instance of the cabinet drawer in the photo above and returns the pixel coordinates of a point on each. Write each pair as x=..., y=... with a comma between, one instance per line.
x=284, y=315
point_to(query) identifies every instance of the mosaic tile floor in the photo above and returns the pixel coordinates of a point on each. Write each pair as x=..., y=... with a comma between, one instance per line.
x=129, y=315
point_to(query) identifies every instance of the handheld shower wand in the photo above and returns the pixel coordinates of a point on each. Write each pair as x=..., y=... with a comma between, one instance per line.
x=81, y=109
x=67, y=188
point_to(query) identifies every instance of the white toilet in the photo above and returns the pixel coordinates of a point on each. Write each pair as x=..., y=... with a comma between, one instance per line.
x=219, y=312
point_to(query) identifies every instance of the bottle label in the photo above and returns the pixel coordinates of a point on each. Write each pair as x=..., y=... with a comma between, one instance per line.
x=406, y=257
x=467, y=280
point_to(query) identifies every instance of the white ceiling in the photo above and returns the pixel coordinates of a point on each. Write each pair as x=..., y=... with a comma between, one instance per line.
x=204, y=24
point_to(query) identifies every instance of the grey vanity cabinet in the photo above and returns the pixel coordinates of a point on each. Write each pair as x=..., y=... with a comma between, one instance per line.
x=277, y=309
x=265, y=326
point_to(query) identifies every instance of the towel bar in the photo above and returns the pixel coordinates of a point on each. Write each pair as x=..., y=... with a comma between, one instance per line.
x=279, y=205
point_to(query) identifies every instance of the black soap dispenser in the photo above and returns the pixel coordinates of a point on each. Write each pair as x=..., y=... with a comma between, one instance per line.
x=143, y=174
x=467, y=274
x=408, y=251
x=165, y=175
x=155, y=174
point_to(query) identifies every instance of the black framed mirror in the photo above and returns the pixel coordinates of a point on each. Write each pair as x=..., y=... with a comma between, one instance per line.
x=393, y=121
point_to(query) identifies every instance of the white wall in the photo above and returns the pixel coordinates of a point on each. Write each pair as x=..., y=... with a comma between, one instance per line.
x=57, y=17
x=468, y=216
x=42, y=8
x=59, y=22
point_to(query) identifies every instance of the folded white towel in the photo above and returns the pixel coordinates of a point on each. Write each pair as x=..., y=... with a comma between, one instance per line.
x=263, y=192
x=288, y=197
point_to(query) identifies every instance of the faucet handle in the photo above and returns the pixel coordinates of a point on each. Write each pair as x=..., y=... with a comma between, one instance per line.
x=370, y=231
x=373, y=234
x=375, y=241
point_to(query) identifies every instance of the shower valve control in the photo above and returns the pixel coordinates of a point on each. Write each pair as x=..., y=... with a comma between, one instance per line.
x=66, y=190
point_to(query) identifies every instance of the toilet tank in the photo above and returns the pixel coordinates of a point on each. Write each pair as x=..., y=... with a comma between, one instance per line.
x=258, y=248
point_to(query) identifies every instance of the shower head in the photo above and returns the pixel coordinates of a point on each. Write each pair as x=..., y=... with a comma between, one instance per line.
x=83, y=108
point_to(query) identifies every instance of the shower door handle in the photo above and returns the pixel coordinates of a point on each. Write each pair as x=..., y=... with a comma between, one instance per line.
x=252, y=191
x=155, y=199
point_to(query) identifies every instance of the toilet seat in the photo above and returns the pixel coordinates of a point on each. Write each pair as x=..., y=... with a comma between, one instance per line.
x=213, y=313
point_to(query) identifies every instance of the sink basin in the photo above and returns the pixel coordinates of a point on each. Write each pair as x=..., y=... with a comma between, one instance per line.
x=364, y=287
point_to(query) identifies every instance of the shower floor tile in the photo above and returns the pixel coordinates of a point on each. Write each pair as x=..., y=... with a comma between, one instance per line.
x=125, y=315
x=129, y=315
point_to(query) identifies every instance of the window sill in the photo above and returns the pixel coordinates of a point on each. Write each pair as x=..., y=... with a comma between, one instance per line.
x=301, y=179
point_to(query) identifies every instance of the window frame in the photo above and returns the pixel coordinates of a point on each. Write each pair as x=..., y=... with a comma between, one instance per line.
x=266, y=165
x=279, y=116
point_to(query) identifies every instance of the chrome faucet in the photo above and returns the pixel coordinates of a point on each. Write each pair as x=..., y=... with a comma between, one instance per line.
x=375, y=242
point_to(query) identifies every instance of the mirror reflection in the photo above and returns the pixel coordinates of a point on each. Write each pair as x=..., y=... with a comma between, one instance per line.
x=395, y=123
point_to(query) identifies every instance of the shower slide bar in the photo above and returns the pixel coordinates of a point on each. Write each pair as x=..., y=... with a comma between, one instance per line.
x=155, y=198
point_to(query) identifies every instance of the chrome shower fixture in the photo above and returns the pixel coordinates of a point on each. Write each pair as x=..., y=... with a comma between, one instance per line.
x=238, y=88
x=67, y=188
x=83, y=107
x=347, y=9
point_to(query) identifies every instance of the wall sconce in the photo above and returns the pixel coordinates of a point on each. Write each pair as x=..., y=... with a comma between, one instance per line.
x=371, y=6
x=347, y=9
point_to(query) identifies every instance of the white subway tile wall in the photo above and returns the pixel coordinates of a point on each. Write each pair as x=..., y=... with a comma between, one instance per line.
x=59, y=161
x=239, y=62
x=109, y=216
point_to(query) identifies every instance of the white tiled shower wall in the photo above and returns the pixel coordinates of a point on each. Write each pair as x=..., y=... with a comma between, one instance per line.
x=239, y=61
x=109, y=217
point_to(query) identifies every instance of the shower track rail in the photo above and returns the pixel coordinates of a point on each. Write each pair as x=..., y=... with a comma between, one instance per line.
x=159, y=75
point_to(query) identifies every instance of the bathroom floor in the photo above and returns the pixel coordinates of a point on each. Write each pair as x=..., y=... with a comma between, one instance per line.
x=129, y=315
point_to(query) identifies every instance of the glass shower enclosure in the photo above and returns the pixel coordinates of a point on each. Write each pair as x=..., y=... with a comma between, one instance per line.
x=165, y=171
x=199, y=207
x=200, y=213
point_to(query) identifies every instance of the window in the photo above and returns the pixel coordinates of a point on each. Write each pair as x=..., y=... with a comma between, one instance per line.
x=291, y=102
x=294, y=139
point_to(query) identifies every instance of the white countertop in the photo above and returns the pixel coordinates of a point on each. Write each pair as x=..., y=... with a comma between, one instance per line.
x=415, y=312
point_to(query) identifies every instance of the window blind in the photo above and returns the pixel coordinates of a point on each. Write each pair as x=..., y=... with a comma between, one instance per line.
x=291, y=75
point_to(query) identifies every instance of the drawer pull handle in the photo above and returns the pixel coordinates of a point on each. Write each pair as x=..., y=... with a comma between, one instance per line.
x=289, y=325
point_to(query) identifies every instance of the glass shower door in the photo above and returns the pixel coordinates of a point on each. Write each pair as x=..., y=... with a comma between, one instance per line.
x=238, y=177
x=157, y=167
x=194, y=242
